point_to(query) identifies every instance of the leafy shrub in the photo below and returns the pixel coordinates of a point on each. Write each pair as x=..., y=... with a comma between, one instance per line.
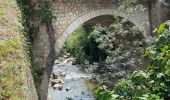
x=108, y=50
x=151, y=85
x=124, y=46
x=74, y=44
x=45, y=12
x=112, y=51
x=82, y=45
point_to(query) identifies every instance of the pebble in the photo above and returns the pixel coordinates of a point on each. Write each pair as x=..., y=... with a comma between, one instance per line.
x=57, y=61
x=58, y=86
x=63, y=74
x=68, y=88
x=56, y=74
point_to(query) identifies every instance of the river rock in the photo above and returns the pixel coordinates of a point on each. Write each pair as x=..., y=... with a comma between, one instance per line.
x=57, y=61
x=58, y=86
x=56, y=74
x=94, y=77
x=74, y=62
x=66, y=56
x=62, y=74
x=56, y=81
x=68, y=88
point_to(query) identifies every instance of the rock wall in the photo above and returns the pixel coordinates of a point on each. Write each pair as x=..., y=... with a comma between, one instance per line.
x=159, y=12
x=43, y=51
x=42, y=47
x=16, y=81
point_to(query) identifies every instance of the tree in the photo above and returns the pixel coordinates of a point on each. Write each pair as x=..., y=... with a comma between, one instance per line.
x=152, y=84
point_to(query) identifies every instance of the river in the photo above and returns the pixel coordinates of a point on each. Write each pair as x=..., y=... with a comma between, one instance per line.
x=77, y=84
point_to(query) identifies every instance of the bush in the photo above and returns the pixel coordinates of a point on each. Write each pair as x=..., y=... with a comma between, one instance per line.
x=113, y=51
x=123, y=44
x=151, y=85
x=82, y=45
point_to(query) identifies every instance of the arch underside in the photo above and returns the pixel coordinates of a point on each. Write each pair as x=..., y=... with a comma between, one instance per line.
x=136, y=18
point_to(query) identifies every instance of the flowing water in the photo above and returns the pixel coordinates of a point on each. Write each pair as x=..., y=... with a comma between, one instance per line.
x=77, y=81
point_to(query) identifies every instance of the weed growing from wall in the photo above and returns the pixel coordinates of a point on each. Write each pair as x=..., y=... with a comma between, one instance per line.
x=45, y=12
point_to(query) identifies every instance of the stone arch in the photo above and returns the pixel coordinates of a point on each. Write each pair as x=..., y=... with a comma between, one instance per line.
x=136, y=19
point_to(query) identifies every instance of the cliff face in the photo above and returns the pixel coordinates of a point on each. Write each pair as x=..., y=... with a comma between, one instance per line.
x=44, y=53
x=42, y=36
x=159, y=12
x=16, y=82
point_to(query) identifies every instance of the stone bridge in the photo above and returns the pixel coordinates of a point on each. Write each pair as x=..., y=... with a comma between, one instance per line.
x=72, y=13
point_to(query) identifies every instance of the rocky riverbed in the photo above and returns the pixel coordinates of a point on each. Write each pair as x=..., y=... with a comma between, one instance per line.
x=69, y=82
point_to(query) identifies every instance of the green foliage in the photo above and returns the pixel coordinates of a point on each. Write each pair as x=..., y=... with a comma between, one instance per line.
x=131, y=6
x=7, y=47
x=151, y=85
x=12, y=65
x=124, y=46
x=45, y=12
x=75, y=42
x=82, y=45
x=36, y=72
x=2, y=11
x=41, y=13
x=108, y=50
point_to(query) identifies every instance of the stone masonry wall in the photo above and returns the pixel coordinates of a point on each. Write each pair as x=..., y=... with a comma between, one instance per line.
x=72, y=13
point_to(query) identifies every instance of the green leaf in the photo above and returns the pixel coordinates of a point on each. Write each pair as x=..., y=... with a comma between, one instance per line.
x=161, y=28
x=2, y=11
x=115, y=96
x=160, y=75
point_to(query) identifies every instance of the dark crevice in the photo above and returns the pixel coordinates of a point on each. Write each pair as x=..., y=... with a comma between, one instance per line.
x=150, y=17
x=51, y=57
